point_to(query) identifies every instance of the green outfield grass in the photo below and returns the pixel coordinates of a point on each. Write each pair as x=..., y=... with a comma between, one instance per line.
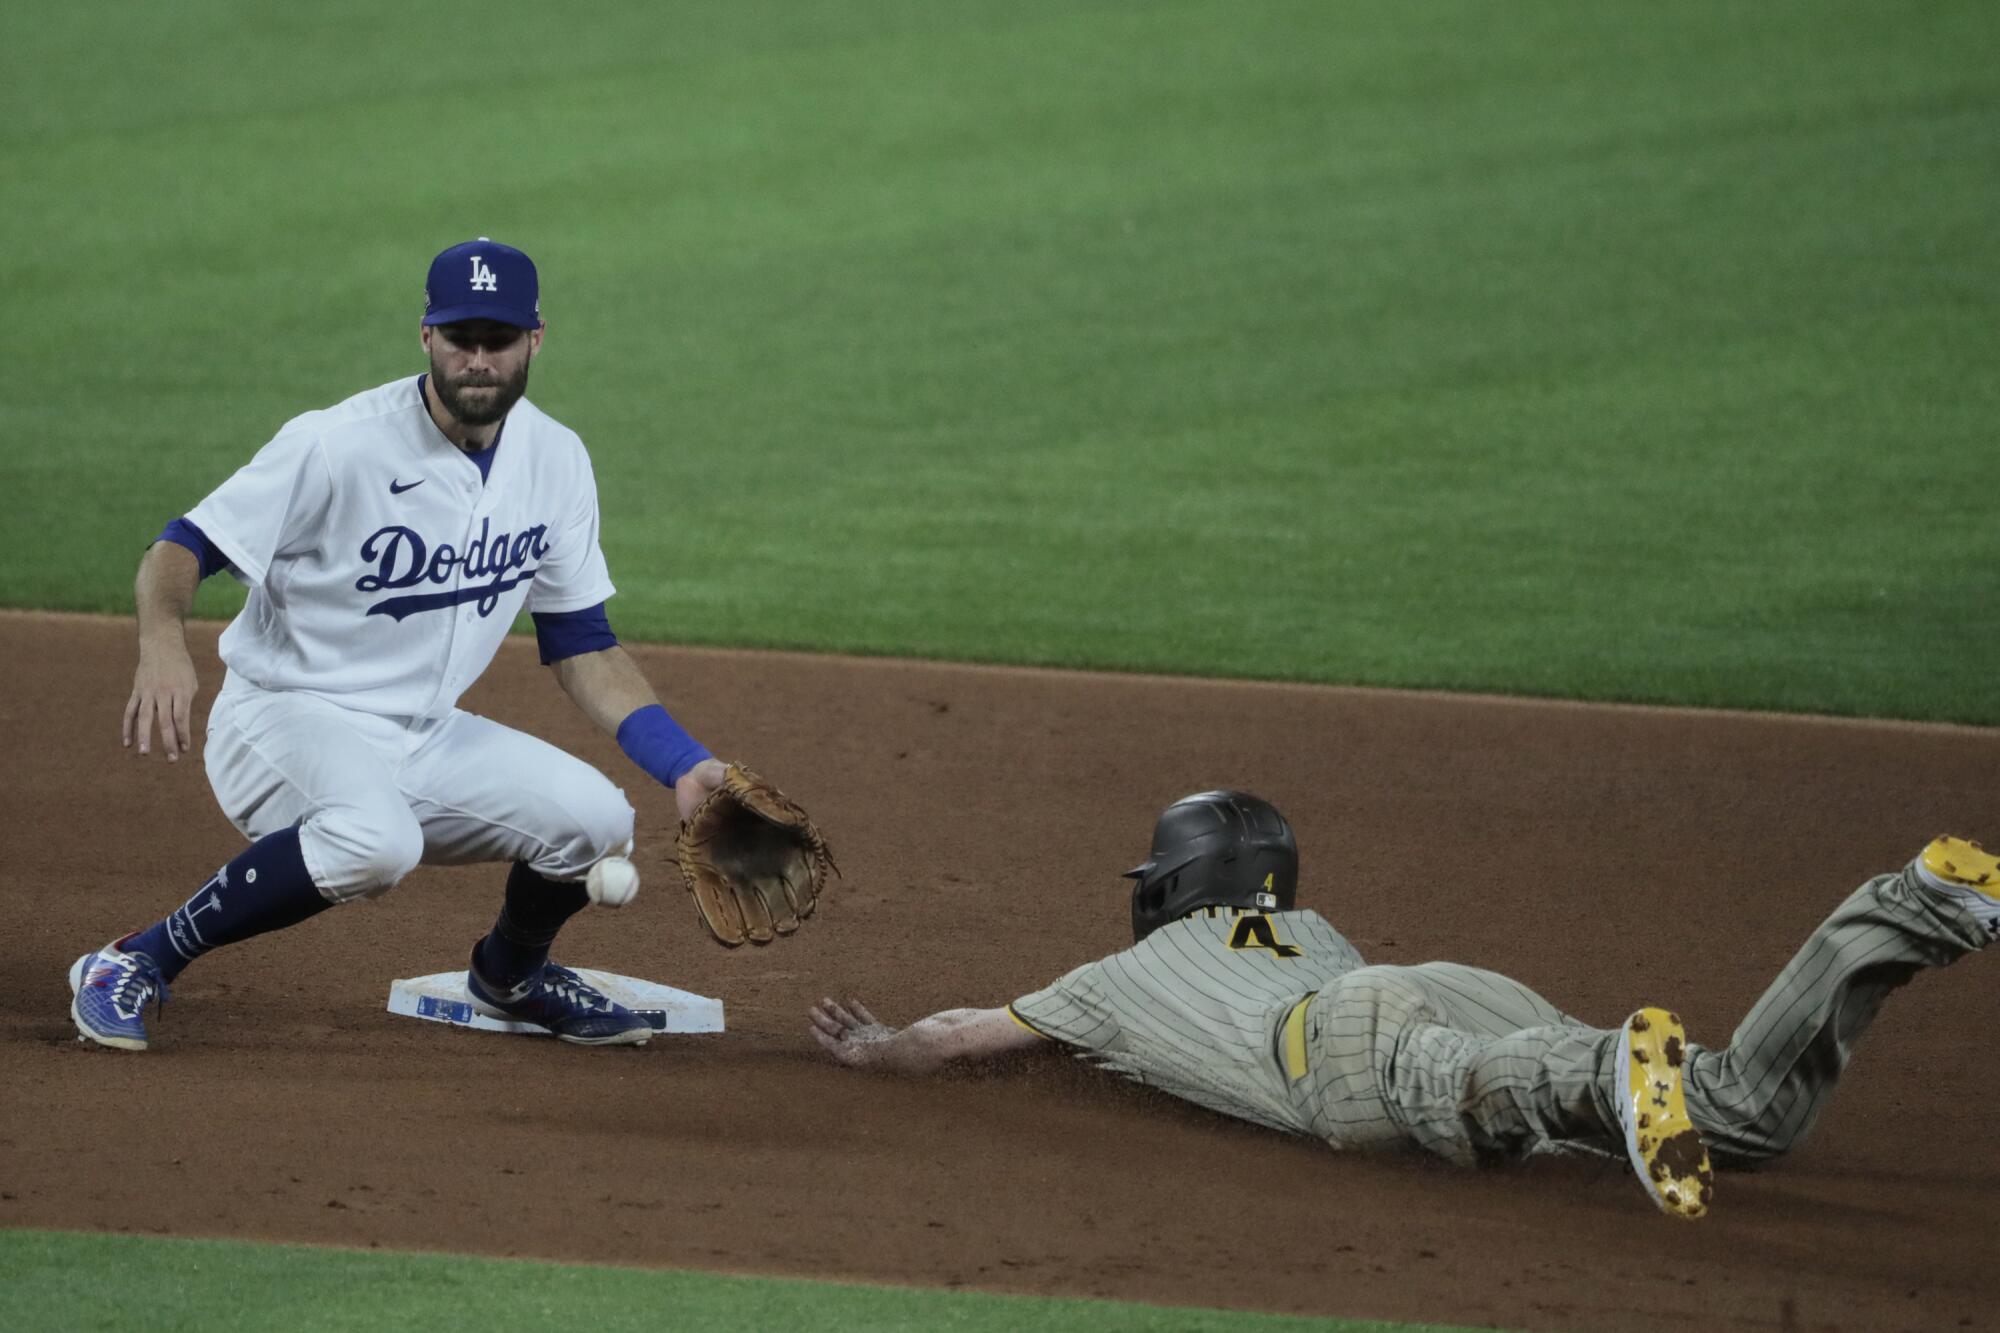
x=50, y=1280
x=1610, y=351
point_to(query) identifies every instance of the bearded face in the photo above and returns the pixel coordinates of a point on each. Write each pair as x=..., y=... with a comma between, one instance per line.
x=479, y=369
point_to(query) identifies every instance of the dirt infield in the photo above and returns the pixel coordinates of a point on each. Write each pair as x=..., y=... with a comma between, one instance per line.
x=982, y=817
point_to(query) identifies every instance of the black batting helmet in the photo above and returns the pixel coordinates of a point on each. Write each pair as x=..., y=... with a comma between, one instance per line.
x=1215, y=849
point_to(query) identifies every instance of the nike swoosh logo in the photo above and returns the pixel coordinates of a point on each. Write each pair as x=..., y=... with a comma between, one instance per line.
x=397, y=488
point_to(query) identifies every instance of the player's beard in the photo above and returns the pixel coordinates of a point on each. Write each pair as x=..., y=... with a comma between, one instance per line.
x=479, y=409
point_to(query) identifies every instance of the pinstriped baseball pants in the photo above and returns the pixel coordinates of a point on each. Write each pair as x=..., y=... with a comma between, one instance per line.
x=1472, y=1065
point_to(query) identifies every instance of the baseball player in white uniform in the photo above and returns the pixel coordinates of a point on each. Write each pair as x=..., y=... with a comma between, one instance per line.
x=388, y=543
x=1232, y=999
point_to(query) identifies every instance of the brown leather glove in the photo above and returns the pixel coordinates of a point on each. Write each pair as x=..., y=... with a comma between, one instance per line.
x=753, y=859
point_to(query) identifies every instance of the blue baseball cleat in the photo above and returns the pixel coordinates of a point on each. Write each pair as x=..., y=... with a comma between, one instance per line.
x=112, y=989
x=564, y=1003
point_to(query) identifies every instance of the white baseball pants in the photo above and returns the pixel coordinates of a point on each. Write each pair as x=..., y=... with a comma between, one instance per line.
x=376, y=796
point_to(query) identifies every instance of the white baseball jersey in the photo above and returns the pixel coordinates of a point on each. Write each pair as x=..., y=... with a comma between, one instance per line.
x=383, y=570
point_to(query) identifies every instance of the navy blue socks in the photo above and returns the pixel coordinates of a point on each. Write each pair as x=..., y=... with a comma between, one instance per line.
x=266, y=888
x=519, y=942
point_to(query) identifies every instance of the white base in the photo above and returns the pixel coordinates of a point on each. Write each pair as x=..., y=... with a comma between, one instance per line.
x=441, y=998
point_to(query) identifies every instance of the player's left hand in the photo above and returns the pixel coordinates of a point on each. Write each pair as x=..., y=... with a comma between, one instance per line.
x=849, y=1032
x=695, y=785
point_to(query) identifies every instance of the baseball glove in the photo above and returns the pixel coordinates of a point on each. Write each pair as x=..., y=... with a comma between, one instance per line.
x=753, y=859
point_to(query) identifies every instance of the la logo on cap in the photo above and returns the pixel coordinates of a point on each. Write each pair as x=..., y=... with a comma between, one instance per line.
x=482, y=276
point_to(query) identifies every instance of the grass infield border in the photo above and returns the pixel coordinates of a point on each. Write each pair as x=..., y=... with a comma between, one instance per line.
x=64, y=1280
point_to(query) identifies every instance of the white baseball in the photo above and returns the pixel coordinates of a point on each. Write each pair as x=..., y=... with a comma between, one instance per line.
x=613, y=882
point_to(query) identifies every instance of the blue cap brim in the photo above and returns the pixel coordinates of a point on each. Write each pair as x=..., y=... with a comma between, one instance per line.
x=499, y=314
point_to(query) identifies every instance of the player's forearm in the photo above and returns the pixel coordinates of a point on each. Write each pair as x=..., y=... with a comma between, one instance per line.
x=929, y=1044
x=612, y=692
x=607, y=685
x=162, y=594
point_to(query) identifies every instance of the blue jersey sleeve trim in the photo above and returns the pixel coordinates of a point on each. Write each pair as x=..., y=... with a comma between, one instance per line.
x=563, y=634
x=183, y=533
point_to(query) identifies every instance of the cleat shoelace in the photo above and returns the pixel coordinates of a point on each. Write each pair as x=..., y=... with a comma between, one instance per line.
x=566, y=985
x=134, y=987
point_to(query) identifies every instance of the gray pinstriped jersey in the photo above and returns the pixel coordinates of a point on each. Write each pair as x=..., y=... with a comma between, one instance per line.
x=1193, y=1009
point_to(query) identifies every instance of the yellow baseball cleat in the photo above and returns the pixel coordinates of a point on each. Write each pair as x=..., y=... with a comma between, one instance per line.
x=1962, y=869
x=1665, y=1147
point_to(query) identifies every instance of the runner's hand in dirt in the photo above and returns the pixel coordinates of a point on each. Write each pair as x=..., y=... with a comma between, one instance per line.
x=850, y=1033
x=852, y=1036
x=163, y=691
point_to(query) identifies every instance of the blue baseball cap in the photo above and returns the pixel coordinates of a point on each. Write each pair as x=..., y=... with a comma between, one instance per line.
x=483, y=279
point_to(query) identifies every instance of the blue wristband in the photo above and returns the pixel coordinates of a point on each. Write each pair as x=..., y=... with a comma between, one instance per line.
x=655, y=742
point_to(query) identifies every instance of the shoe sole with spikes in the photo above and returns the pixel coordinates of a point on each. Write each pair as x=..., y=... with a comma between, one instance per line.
x=1664, y=1146
x=1962, y=869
